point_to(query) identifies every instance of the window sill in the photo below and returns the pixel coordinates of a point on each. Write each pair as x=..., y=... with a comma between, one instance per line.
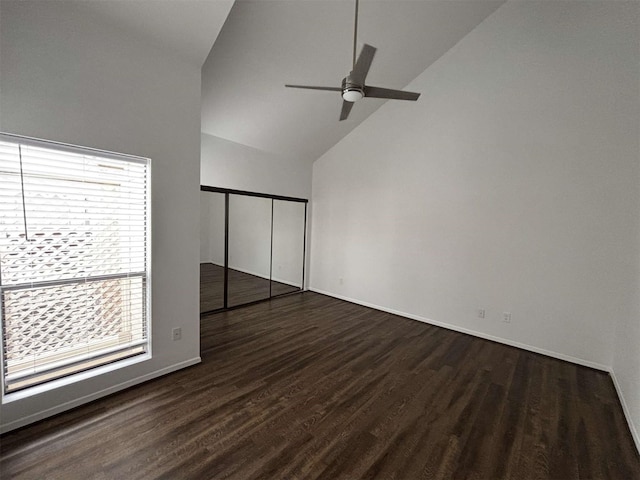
x=71, y=379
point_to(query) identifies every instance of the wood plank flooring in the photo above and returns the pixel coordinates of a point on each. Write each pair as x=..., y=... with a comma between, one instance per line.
x=306, y=386
x=243, y=287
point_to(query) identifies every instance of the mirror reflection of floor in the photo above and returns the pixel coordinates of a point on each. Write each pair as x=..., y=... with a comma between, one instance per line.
x=243, y=287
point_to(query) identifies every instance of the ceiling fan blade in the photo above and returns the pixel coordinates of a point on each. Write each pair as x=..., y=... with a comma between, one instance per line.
x=346, y=108
x=363, y=64
x=377, y=92
x=311, y=87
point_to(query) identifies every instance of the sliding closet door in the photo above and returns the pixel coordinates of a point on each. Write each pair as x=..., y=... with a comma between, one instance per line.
x=212, y=219
x=249, y=249
x=287, y=259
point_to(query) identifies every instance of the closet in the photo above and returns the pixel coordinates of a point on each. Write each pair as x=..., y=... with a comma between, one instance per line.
x=252, y=247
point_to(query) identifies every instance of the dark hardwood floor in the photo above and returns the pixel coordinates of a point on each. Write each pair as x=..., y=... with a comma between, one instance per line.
x=306, y=386
x=243, y=287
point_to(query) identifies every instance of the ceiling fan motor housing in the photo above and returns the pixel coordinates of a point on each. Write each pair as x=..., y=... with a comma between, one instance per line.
x=351, y=91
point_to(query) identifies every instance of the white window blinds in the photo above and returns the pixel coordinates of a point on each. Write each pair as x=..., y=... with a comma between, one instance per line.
x=74, y=259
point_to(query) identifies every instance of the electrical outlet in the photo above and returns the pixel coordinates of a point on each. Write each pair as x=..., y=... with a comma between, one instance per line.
x=506, y=317
x=341, y=280
x=176, y=334
x=481, y=313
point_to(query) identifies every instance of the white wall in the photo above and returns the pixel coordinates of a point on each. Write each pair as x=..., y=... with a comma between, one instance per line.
x=235, y=166
x=511, y=185
x=626, y=360
x=232, y=165
x=626, y=367
x=67, y=77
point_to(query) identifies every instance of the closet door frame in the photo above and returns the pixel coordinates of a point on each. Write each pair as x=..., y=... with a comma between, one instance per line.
x=227, y=192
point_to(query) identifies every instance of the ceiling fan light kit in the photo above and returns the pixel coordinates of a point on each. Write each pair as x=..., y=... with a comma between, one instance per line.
x=351, y=92
x=353, y=85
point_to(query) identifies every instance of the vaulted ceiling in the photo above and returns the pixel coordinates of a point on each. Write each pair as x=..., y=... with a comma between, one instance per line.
x=253, y=47
x=187, y=28
x=267, y=43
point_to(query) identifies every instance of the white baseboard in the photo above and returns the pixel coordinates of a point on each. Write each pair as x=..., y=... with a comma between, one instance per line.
x=286, y=282
x=21, y=422
x=249, y=272
x=524, y=346
x=625, y=409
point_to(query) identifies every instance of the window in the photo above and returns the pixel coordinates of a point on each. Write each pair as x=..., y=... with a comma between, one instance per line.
x=74, y=259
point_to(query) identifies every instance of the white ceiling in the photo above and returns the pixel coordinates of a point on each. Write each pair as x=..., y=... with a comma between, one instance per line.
x=185, y=27
x=267, y=43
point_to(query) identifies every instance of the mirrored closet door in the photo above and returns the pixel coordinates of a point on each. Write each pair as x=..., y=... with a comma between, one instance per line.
x=249, y=249
x=212, y=250
x=287, y=251
x=252, y=247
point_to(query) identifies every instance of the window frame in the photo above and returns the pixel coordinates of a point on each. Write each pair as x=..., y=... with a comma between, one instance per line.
x=117, y=364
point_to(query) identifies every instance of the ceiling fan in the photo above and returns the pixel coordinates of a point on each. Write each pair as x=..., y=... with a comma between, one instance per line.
x=353, y=87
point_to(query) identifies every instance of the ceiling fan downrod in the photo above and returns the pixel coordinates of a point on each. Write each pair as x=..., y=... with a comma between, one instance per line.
x=355, y=35
x=352, y=90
